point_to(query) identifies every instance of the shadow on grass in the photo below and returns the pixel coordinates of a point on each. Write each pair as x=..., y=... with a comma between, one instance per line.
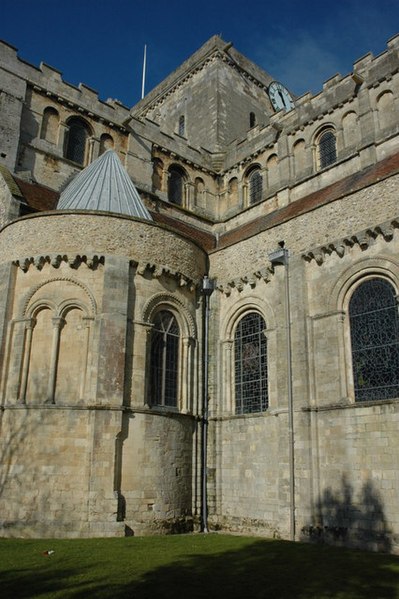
x=261, y=569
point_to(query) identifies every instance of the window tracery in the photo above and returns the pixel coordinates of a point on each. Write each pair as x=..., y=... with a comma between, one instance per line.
x=250, y=365
x=164, y=359
x=374, y=331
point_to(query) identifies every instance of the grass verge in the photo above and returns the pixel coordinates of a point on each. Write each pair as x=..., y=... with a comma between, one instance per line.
x=192, y=566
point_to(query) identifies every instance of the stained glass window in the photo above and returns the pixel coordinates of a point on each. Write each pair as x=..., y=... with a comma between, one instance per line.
x=374, y=324
x=164, y=359
x=250, y=355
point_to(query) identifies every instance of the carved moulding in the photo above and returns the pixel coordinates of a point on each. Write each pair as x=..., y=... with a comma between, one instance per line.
x=364, y=239
x=55, y=260
x=240, y=282
x=167, y=299
x=158, y=270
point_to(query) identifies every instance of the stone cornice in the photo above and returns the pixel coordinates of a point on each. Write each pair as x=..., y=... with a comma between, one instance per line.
x=93, y=261
x=74, y=261
x=251, y=280
x=364, y=239
x=159, y=270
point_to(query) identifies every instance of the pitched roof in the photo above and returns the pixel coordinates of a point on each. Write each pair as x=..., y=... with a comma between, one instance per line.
x=104, y=185
x=214, y=44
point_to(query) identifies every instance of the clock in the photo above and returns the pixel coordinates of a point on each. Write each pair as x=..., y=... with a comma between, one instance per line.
x=280, y=97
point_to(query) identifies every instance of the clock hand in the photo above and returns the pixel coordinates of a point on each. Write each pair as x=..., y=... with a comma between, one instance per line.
x=282, y=98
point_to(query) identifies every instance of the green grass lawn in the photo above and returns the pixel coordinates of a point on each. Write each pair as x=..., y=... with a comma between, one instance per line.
x=192, y=566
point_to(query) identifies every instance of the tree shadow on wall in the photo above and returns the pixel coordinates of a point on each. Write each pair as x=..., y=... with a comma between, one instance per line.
x=343, y=518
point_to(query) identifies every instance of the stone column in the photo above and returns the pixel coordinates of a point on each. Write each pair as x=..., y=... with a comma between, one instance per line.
x=58, y=324
x=29, y=326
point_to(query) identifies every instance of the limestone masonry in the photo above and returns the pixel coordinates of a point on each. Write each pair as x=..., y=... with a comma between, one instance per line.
x=208, y=337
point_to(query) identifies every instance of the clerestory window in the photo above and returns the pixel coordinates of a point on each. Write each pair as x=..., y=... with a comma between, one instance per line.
x=374, y=329
x=176, y=185
x=250, y=365
x=255, y=181
x=76, y=141
x=182, y=125
x=326, y=148
x=164, y=360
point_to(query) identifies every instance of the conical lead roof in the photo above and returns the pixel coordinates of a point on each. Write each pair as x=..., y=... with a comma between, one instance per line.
x=104, y=185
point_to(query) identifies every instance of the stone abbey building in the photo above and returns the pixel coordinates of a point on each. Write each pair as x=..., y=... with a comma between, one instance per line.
x=198, y=309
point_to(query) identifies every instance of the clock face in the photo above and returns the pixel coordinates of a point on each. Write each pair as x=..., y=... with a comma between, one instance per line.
x=280, y=97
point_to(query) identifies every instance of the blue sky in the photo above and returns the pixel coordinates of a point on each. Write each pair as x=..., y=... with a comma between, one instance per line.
x=101, y=42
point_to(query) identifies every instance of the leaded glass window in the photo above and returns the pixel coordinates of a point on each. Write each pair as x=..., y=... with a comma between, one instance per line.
x=255, y=187
x=250, y=357
x=182, y=125
x=164, y=358
x=175, y=186
x=327, y=148
x=77, y=137
x=374, y=325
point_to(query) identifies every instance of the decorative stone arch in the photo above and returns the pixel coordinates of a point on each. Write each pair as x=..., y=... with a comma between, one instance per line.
x=187, y=347
x=386, y=110
x=160, y=300
x=299, y=155
x=362, y=269
x=239, y=309
x=50, y=125
x=340, y=295
x=234, y=315
x=106, y=143
x=48, y=345
x=199, y=192
x=91, y=311
x=272, y=170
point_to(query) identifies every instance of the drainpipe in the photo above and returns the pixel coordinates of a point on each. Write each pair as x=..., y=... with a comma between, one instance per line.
x=207, y=290
x=281, y=256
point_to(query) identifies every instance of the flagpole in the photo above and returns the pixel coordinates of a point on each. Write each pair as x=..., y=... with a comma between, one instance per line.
x=144, y=68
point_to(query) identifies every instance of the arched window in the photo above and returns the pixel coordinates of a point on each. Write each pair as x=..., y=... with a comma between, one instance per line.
x=182, y=125
x=326, y=148
x=50, y=123
x=164, y=360
x=250, y=365
x=374, y=328
x=106, y=143
x=255, y=181
x=252, y=120
x=176, y=185
x=76, y=141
